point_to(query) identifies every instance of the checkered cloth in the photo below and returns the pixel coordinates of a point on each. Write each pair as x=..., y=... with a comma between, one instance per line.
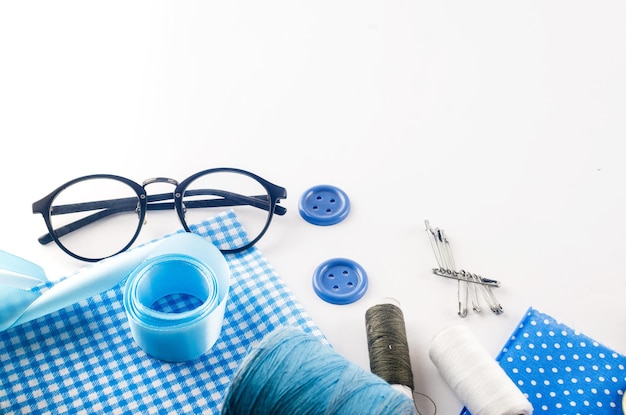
x=83, y=359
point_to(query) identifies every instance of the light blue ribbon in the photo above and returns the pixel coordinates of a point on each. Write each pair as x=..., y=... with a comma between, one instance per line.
x=183, y=263
x=196, y=271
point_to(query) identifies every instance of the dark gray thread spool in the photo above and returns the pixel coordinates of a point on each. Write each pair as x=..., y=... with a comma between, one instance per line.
x=387, y=344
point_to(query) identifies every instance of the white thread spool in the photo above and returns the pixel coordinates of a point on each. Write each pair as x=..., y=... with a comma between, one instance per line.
x=476, y=377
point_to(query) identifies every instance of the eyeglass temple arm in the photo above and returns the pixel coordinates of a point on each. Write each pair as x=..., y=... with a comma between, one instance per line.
x=115, y=206
x=259, y=201
x=71, y=227
x=110, y=207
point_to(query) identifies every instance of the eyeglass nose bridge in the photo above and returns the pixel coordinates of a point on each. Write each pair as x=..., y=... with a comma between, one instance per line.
x=159, y=180
x=163, y=196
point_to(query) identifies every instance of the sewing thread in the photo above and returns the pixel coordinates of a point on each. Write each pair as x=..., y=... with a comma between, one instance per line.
x=387, y=344
x=292, y=372
x=475, y=377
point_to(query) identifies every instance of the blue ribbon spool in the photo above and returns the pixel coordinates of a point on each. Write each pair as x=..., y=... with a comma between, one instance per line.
x=201, y=272
x=183, y=263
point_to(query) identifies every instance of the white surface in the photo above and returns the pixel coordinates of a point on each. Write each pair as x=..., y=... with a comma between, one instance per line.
x=501, y=123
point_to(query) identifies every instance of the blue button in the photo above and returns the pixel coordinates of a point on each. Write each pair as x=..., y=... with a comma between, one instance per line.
x=340, y=281
x=324, y=205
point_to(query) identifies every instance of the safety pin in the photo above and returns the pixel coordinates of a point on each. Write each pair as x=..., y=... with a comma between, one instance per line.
x=466, y=276
x=462, y=312
x=445, y=259
x=472, y=283
x=490, y=298
x=474, y=292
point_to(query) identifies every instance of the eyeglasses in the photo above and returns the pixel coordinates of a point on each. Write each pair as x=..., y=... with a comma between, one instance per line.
x=97, y=216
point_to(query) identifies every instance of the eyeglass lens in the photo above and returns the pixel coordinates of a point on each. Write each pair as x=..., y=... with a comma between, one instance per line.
x=217, y=192
x=107, y=208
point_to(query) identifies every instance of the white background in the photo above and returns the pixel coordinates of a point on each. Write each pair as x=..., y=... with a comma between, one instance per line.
x=501, y=122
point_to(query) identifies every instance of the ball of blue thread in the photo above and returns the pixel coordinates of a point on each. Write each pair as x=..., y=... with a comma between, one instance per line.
x=292, y=372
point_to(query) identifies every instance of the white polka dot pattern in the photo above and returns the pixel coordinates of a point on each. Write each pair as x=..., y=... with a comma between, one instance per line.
x=562, y=371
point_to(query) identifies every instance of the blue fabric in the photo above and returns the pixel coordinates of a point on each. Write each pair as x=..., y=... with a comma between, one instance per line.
x=562, y=371
x=82, y=359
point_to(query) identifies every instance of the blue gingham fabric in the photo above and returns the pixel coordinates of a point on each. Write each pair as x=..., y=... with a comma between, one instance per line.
x=83, y=359
x=562, y=371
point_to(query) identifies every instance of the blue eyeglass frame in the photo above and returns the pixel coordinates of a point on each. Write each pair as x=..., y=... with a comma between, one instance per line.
x=147, y=202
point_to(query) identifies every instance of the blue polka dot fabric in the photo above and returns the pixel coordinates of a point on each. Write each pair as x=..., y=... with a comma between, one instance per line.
x=562, y=371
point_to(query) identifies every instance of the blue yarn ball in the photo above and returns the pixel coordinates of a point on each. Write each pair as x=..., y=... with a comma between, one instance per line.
x=291, y=372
